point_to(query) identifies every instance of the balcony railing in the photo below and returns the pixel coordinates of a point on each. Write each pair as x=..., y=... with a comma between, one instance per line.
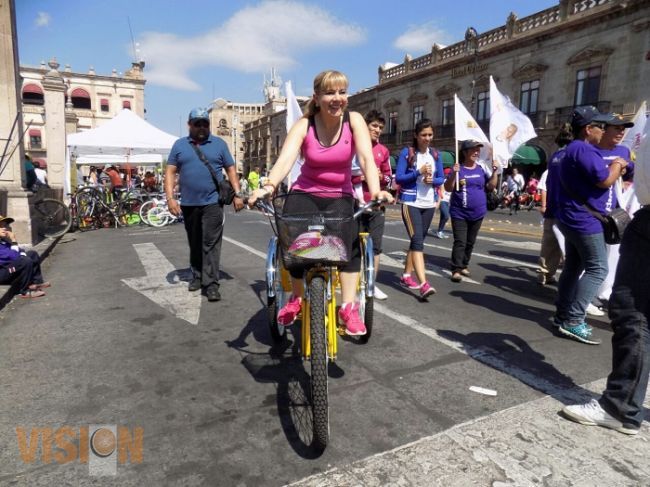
x=444, y=131
x=387, y=139
x=537, y=22
x=562, y=114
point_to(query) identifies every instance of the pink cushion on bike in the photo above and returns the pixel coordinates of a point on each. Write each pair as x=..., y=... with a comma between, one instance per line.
x=316, y=246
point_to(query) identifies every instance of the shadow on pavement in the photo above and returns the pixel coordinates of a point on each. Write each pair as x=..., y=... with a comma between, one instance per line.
x=511, y=355
x=284, y=366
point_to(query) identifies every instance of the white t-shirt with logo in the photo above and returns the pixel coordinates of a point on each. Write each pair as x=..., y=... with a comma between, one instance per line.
x=425, y=193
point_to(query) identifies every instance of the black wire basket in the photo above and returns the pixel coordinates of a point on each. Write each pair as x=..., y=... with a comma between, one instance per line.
x=315, y=228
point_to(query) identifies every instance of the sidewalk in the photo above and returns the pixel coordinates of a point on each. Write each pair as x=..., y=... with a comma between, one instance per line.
x=527, y=445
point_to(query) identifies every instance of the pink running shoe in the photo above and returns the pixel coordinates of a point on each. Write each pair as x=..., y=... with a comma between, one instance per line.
x=349, y=315
x=290, y=311
x=426, y=290
x=409, y=282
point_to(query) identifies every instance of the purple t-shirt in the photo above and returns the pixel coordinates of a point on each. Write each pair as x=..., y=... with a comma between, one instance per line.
x=582, y=168
x=619, y=151
x=553, y=182
x=469, y=203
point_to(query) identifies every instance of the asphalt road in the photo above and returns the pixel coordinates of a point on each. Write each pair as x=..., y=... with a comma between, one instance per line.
x=119, y=341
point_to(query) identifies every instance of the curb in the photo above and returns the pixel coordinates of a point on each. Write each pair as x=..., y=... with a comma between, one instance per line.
x=44, y=248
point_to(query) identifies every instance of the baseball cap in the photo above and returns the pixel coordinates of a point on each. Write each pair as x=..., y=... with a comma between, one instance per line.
x=6, y=219
x=198, y=114
x=618, y=120
x=470, y=144
x=586, y=115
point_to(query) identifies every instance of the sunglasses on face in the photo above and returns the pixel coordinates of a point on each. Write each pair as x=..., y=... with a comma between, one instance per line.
x=201, y=124
x=600, y=126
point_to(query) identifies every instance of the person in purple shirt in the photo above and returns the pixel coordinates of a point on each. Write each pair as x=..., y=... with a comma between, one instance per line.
x=585, y=178
x=21, y=270
x=550, y=254
x=467, y=204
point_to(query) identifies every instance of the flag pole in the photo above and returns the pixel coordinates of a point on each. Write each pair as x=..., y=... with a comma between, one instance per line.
x=458, y=173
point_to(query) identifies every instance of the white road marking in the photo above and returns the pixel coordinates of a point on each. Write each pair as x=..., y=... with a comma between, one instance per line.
x=485, y=355
x=387, y=261
x=477, y=254
x=155, y=285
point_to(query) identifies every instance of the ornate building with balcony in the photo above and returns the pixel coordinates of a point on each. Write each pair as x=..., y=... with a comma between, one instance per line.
x=89, y=99
x=233, y=122
x=264, y=136
x=579, y=52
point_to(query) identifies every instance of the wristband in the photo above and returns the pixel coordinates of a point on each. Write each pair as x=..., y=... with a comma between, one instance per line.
x=239, y=195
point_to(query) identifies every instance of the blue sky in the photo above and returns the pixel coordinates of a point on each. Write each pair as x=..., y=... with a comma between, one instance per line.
x=197, y=51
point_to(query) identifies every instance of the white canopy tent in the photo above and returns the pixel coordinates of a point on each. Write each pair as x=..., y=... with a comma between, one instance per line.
x=126, y=138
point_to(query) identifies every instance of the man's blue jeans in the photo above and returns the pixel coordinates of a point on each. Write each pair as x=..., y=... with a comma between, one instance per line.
x=586, y=253
x=629, y=310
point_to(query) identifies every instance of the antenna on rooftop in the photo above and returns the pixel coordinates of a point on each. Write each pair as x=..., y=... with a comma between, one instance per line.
x=133, y=44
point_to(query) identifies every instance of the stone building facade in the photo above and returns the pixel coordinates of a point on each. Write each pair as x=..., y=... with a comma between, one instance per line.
x=246, y=126
x=88, y=99
x=579, y=52
x=575, y=53
x=227, y=120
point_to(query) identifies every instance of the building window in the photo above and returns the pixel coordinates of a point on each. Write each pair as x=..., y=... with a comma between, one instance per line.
x=126, y=104
x=80, y=99
x=483, y=106
x=103, y=103
x=35, y=141
x=587, y=86
x=529, y=96
x=223, y=124
x=33, y=95
x=447, y=112
x=418, y=114
x=392, y=123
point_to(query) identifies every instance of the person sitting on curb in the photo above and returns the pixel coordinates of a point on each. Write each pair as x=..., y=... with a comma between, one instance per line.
x=22, y=270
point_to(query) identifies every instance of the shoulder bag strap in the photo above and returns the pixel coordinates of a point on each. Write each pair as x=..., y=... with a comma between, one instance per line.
x=204, y=160
x=589, y=208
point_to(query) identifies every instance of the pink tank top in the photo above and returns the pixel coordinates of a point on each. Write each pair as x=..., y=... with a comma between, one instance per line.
x=327, y=168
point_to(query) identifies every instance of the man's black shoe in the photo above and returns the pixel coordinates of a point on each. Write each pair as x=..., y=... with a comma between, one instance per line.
x=195, y=284
x=213, y=293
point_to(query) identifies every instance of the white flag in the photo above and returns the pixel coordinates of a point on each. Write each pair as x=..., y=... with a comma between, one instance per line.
x=642, y=168
x=465, y=125
x=466, y=128
x=293, y=115
x=634, y=135
x=509, y=127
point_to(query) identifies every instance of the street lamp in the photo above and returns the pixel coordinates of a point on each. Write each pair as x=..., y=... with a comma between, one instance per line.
x=471, y=37
x=235, y=124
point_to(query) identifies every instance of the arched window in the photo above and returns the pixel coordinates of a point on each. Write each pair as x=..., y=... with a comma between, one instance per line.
x=103, y=103
x=33, y=95
x=80, y=98
x=223, y=124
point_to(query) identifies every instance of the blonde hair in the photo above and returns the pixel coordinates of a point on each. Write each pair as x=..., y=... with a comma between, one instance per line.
x=323, y=82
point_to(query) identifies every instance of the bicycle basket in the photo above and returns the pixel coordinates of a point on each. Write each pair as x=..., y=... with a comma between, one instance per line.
x=313, y=229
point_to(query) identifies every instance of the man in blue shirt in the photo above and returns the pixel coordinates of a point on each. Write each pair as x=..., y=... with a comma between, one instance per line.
x=202, y=211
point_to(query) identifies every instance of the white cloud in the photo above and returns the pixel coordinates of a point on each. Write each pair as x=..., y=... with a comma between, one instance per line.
x=42, y=19
x=254, y=39
x=419, y=38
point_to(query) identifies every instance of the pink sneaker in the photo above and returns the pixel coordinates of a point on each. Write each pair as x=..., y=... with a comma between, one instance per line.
x=409, y=282
x=349, y=315
x=290, y=311
x=426, y=290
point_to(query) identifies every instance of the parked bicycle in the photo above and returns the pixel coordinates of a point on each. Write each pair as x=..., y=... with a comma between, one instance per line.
x=159, y=215
x=319, y=317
